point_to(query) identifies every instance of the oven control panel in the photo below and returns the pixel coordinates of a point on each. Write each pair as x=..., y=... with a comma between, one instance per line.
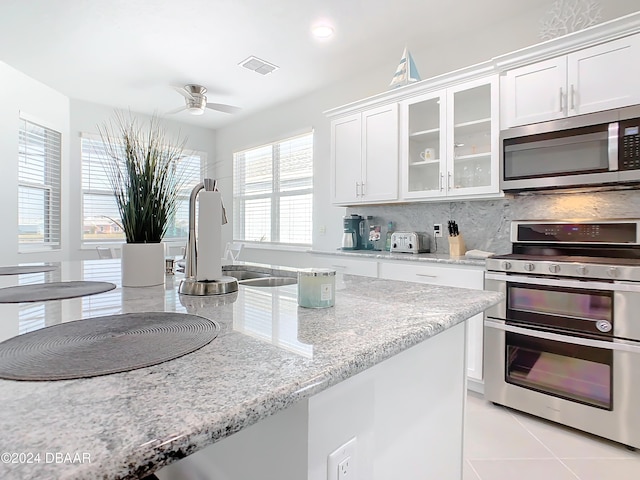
x=559, y=232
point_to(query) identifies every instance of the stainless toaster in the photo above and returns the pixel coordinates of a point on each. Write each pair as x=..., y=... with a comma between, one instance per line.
x=409, y=242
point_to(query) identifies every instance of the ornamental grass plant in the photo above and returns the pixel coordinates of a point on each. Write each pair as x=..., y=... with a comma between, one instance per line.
x=143, y=172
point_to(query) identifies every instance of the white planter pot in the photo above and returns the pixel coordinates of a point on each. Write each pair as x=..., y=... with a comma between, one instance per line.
x=142, y=264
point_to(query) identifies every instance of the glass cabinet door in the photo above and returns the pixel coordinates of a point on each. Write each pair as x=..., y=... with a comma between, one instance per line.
x=425, y=171
x=471, y=140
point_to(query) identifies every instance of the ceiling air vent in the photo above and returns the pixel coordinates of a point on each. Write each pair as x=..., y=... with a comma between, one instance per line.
x=258, y=65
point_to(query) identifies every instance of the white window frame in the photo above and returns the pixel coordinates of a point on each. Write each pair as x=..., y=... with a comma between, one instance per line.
x=108, y=193
x=240, y=196
x=51, y=184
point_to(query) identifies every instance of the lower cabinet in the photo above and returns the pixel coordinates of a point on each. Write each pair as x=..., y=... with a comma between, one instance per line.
x=463, y=276
x=367, y=267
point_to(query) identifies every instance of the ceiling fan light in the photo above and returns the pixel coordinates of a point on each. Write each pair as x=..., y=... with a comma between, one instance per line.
x=195, y=110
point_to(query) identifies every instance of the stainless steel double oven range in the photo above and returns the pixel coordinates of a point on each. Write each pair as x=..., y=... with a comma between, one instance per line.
x=565, y=344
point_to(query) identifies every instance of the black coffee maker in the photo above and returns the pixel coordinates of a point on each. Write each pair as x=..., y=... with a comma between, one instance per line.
x=352, y=232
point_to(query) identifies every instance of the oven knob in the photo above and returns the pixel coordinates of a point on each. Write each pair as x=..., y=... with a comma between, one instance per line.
x=529, y=267
x=506, y=265
x=603, y=325
x=582, y=270
x=613, y=272
x=553, y=268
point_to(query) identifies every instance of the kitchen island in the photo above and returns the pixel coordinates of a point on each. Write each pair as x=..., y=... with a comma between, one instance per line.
x=279, y=389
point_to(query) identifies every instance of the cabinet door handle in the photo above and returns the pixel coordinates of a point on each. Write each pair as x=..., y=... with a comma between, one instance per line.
x=426, y=275
x=561, y=107
x=441, y=181
x=339, y=266
x=449, y=180
x=362, y=190
x=573, y=94
x=357, y=193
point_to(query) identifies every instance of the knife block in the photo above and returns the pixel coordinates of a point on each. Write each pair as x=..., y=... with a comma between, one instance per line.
x=457, y=247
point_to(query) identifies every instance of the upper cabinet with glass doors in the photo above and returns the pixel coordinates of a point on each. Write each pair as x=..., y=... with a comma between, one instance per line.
x=424, y=145
x=449, y=142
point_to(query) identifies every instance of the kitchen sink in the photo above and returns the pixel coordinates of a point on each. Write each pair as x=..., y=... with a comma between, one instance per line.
x=268, y=281
x=261, y=277
x=246, y=274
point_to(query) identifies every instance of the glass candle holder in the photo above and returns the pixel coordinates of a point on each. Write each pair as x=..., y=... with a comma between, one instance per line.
x=316, y=287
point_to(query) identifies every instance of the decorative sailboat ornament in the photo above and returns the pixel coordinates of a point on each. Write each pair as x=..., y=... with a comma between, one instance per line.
x=406, y=72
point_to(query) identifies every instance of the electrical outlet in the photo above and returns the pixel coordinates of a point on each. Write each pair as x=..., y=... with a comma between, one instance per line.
x=345, y=469
x=437, y=230
x=341, y=463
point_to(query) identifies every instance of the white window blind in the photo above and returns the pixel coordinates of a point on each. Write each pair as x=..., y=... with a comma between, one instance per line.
x=273, y=192
x=39, y=155
x=100, y=216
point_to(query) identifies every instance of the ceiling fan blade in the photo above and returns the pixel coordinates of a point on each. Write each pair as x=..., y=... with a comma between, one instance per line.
x=221, y=107
x=176, y=110
x=183, y=92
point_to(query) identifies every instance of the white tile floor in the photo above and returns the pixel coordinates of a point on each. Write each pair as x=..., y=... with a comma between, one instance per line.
x=503, y=444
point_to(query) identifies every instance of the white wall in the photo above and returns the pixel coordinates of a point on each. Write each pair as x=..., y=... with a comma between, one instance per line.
x=19, y=93
x=467, y=48
x=85, y=117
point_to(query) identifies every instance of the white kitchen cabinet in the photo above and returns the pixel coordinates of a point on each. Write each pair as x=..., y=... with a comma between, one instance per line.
x=346, y=158
x=450, y=276
x=423, y=145
x=449, y=141
x=534, y=93
x=588, y=80
x=366, y=267
x=364, y=156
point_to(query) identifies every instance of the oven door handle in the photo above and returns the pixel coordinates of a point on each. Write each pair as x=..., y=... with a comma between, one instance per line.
x=555, y=282
x=616, y=344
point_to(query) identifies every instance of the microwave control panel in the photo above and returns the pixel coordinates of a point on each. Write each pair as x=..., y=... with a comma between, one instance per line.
x=629, y=145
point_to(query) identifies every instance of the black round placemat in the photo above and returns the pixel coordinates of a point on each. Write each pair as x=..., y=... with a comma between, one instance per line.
x=103, y=345
x=20, y=269
x=40, y=292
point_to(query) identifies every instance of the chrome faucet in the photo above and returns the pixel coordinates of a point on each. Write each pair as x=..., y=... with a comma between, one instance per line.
x=208, y=185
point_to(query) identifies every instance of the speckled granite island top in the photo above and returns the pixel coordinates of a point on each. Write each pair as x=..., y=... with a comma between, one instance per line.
x=270, y=353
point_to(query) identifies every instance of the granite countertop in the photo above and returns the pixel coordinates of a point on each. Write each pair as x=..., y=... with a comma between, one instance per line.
x=269, y=354
x=442, y=258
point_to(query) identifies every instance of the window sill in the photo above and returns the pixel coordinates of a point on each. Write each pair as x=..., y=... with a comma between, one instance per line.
x=39, y=250
x=274, y=246
x=119, y=243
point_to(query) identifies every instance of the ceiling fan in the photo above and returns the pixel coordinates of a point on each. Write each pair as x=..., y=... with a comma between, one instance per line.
x=196, y=101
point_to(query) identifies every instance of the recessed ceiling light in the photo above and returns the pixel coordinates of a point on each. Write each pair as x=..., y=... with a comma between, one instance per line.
x=322, y=31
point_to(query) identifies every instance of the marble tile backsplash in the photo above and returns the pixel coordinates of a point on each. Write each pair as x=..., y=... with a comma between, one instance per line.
x=485, y=224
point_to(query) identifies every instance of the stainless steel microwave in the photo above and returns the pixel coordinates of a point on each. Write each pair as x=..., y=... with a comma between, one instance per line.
x=587, y=150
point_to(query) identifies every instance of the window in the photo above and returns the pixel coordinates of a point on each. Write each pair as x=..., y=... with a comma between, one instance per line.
x=273, y=192
x=39, y=154
x=99, y=210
